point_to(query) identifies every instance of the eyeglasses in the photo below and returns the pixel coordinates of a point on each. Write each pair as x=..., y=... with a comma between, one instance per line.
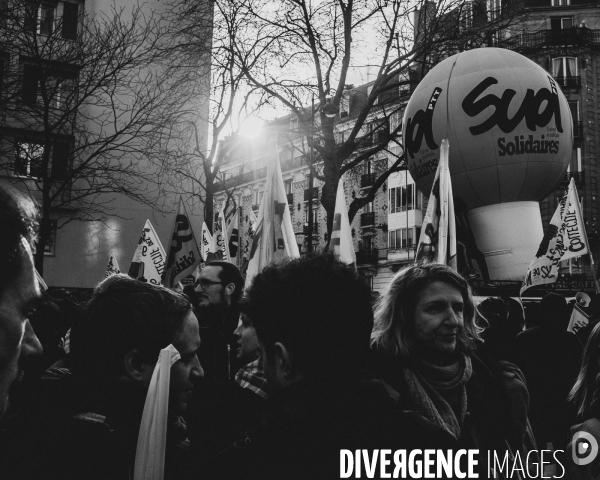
x=205, y=283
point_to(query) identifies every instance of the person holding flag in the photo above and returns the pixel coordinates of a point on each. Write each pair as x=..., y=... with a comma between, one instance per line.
x=274, y=238
x=184, y=254
x=437, y=243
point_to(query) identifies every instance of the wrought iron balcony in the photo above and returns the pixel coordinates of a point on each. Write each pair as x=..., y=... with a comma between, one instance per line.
x=576, y=36
x=572, y=82
x=367, y=179
x=367, y=219
x=367, y=257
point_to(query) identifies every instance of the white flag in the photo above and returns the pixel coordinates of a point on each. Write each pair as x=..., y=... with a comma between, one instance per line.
x=112, y=267
x=233, y=236
x=437, y=243
x=206, y=242
x=565, y=238
x=341, y=235
x=274, y=238
x=220, y=237
x=184, y=254
x=148, y=262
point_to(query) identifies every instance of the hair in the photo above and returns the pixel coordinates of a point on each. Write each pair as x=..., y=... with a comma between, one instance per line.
x=318, y=308
x=124, y=314
x=583, y=391
x=494, y=311
x=394, y=315
x=229, y=273
x=19, y=218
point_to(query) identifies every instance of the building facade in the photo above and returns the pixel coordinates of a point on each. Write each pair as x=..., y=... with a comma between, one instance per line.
x=60, y=131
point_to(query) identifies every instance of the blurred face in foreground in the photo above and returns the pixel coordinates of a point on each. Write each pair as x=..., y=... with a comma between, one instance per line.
x=187, y=370
x=439, y=319
x=18, y=342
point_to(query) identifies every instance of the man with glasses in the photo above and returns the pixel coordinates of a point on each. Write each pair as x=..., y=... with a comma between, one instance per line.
x=217, y=295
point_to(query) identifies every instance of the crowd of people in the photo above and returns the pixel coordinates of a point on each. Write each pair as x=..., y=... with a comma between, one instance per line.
x=274, y=381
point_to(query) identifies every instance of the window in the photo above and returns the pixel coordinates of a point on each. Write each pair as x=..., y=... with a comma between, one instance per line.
x=29, y=156
x=368, y=208
x=28, y=161
x=397, y=238
x=403, y=198
x=574, y=107
x=59, y=87
x=561, y=3
x=45, y=20
x=367, y=244
x=288, y=187
x=561, y=23
x=315, y=221
x=69, y=21
x=564, y=67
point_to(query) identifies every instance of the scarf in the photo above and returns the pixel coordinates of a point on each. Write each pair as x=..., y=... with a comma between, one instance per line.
x=252, y=376
x=424, y=383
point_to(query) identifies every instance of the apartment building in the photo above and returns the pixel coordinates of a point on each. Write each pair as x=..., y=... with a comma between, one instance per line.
x=71, y=140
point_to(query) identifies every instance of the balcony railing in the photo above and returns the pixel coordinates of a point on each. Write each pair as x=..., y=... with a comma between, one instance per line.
x=576, y=36
x=578, y=129
x=367, y=219
x=367, y=257
x=572, y=83
x=367, y=179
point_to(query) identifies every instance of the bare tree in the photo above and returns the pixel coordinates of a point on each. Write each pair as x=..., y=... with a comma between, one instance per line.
x=205, y=36
x=83, y=93
x=302, y=50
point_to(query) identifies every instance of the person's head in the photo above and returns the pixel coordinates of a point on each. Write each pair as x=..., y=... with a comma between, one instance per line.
x=220, y=284
x=247, y=340
x=553, y=311
x=312, y=317
x=19, y=290
x=495, y=313
x=425, y=309
x=124, y=327
x=583, y=390
x=516, y=314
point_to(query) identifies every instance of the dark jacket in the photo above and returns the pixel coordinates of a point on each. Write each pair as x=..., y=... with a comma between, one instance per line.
x=550, y=358
x=497, y=404
x=63, y=438
x=310, y=421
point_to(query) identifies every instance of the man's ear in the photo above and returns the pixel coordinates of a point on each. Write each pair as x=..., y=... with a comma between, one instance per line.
x=134, y=367
x=284, y=365
x=229, y=289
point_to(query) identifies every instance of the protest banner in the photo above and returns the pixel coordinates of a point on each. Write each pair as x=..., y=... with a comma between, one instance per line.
x=148, y=262
x=220, y=239
x=233, y=235
x=341, y=235
x=112, y=267
x=564, y=238
x=437, y=242
x=184, y=254
x=274, y=238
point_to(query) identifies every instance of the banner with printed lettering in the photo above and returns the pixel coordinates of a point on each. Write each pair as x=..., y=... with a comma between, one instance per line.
x=233, y=236
x=112, y=267
x=206, y=242
x=437, y=243
x=565, y=238
x=341, y=234
x=184, y=254
x=274, y=238
x=221, y=244
x=149, y=259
